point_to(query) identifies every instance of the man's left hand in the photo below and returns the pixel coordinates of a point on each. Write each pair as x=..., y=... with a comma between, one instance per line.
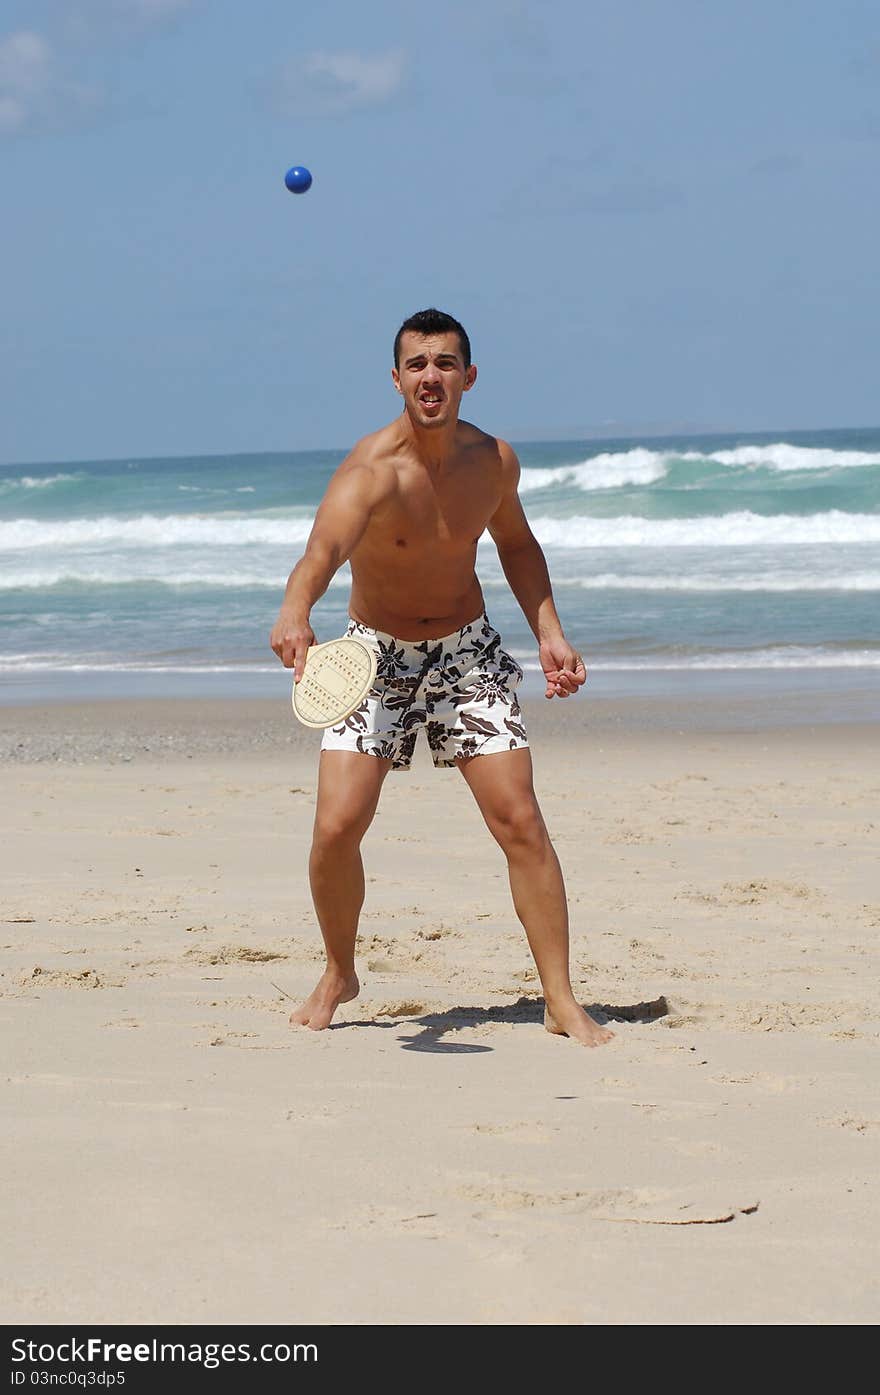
x=563, y=667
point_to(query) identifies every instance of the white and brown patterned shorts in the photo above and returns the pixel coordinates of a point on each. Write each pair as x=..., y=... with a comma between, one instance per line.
x=461, y=689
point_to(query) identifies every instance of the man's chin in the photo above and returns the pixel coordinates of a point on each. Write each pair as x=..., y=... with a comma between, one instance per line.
x=429, y=422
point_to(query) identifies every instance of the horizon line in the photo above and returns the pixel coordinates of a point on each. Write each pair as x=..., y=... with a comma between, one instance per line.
x=666, y=432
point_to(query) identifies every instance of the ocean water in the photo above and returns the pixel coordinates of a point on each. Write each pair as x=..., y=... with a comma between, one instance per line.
x=715, y=554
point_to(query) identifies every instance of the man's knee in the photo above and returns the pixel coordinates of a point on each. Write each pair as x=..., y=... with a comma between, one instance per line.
x=519, y=827
x=338, y=829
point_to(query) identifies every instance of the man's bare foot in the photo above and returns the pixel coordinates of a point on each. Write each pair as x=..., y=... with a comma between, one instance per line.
x=570, y=1020
x=319, y=1007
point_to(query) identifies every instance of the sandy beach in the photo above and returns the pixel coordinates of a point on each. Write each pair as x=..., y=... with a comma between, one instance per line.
x=176, y=1153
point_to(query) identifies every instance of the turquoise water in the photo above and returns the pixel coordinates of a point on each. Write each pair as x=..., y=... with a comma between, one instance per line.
x=725, y=554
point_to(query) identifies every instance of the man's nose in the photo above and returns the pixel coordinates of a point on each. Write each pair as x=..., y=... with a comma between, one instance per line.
x=431, y=373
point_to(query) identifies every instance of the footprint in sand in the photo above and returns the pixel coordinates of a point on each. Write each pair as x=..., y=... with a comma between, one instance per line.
x=406, y=1007
x=67, y=978
x=523, y=1131
x=233, y=954
x=383, y=966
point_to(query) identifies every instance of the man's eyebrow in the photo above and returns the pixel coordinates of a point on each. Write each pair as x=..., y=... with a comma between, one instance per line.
x=416, y=358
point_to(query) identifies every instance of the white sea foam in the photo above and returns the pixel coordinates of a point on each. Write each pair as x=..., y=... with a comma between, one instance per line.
x=151, y=571
x=780, y=657
x=640, y=466
x=790, y=657
x=206, y=490
x=708, y=581
x=153, y=530
x=740, y=529
x=71, y=663
x=608, y=471
x=785, y=457
x=154, y=570
x=34, y=481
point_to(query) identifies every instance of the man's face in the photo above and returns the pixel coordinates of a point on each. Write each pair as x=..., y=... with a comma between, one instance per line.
x=432, y=377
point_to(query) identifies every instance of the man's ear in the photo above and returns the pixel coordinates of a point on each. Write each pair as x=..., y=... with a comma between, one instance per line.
x=395, y=378
x=470, y=377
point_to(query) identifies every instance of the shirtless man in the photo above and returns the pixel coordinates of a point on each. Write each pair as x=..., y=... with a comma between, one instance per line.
x=406, y=509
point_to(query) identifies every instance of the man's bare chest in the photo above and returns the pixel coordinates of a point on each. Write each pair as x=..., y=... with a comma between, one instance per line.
x=452, y=514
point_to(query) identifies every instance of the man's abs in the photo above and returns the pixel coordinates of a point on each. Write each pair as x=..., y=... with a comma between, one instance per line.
x=414, y=604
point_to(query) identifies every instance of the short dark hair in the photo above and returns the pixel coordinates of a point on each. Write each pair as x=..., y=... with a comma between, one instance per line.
x=433, y=322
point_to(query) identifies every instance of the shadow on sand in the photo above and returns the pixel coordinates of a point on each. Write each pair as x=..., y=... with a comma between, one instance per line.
x=433, y=1025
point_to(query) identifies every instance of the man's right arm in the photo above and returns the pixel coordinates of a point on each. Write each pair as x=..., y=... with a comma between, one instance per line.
x=339, y=525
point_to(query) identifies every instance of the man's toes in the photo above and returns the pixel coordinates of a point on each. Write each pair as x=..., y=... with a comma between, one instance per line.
x=318, y=1021
x=300, y=1016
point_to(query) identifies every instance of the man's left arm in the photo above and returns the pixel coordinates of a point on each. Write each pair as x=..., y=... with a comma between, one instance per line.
x=525, y=567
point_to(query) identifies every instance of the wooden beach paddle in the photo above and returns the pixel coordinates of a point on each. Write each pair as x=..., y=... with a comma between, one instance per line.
x=336, y=679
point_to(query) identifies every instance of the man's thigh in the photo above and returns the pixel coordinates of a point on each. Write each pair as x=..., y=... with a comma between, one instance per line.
x=349, y=785
x=500, y=782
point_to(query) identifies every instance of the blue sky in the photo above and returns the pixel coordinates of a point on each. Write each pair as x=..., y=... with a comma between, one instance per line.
x=650, y=214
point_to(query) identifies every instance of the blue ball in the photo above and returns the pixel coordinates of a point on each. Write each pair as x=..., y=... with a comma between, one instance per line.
x=298, y=179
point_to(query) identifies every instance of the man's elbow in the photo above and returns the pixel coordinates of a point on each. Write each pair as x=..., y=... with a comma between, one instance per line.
x=523, y=547
x=323, y=555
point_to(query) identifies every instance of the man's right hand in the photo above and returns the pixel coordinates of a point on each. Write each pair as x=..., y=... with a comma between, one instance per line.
x=291, y=640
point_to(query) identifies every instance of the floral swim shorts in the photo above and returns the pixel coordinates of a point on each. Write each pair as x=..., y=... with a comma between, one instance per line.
x=461, y=689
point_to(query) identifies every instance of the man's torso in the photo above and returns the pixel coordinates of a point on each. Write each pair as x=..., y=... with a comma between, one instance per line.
x=413, y=570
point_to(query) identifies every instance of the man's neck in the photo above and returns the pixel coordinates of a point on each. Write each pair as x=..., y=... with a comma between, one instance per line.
x=432, y=448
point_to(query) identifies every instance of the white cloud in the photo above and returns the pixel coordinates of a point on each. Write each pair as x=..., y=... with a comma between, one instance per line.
x=32, y=92
x=36, y=90
x=336, y=83
x=25, y=78
x=85, y=23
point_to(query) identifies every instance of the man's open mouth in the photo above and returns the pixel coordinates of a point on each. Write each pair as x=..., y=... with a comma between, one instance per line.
x=431, y=399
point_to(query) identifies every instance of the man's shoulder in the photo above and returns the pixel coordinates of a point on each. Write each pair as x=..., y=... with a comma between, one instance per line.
x=374, y=450
x=368, y=462
x=474, y=437
x=493, y=453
